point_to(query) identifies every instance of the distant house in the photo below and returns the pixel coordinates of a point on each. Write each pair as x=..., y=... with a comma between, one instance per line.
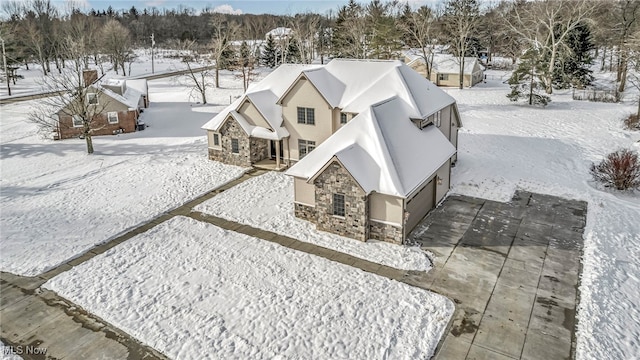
x=279, y=33
x=371, y=143
x=446, y=68
x=120, y=103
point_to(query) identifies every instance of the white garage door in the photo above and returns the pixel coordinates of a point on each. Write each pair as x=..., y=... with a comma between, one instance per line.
x=419, y=206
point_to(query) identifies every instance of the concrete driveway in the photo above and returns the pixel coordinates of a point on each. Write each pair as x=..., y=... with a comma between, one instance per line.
x=512, y=269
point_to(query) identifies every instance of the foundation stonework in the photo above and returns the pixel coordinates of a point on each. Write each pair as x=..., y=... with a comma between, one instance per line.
x=385, y=232
x=305, y=212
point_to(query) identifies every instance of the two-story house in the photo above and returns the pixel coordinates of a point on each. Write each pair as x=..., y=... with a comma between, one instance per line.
x=115, y=106
x=371, y=142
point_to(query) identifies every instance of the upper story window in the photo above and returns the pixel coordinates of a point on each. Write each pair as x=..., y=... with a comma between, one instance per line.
x=77, y=121
x=235, y=146
x=305, y=147
x=92, y=98
x=112, y=116
x=306, y=116
x=343, y=118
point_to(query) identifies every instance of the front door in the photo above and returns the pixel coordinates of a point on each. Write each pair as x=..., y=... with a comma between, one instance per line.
x=273, y=150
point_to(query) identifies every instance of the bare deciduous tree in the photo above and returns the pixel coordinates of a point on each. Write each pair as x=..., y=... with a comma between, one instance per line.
x=73, y=98
x=223, y=33
x=546, y=24
x=460, y=19
x=198, y=76
x=419, y=26
x=116, y=42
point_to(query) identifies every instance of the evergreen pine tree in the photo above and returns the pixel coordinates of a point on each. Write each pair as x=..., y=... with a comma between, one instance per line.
x=573, y=65
x=525, y=81
x=228, y=57
x=293, y=52
x=270, y=53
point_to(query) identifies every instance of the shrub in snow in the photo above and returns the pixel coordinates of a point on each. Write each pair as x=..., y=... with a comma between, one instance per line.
x=620, y=169
x=632, y=122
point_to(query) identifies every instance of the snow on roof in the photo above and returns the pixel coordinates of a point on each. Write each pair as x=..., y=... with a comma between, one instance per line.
x=264, y=101
x=140, y=85
x=280, y=31
x=131, y=98
x=382, y=149
x=442, y=63
x=263, y=95
x=329, y=86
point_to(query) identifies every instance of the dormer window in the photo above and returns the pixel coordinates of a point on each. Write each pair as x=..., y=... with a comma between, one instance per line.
x=343, y=118
x=423, y=123
x=92, y=98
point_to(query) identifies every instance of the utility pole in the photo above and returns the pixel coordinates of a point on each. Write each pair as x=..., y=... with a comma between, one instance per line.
x=4, y=61
x=153, y=43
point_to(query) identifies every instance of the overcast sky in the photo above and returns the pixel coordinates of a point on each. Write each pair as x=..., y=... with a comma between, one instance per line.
x=230, y=6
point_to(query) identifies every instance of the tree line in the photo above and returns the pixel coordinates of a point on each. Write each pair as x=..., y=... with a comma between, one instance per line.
x=555, y=41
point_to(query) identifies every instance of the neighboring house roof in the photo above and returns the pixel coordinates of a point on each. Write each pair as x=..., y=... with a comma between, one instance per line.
x=442, y=63
x=139, y=85
x=131, y=97
x=129, y=91
x=382, y=149
x=280, y=32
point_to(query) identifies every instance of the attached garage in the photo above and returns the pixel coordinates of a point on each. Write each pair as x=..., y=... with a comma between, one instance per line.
x=419, y=205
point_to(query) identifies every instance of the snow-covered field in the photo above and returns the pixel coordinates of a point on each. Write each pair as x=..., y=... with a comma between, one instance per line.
x=164, y=61
x=58, y=202
x=194, y=291
x=504, y=146
x=266, y=202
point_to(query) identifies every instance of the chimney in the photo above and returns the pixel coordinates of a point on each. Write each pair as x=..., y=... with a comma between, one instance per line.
x=89, y=76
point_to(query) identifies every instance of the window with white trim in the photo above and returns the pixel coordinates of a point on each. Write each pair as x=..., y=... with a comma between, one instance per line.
x=112, y=117
x=235, y=146
x=77, y=121
x=216, y=139
x=437, y=118
x=306, y=116
x=92, y=98
x=444, y=77
x=343, y=118
x=305, y=147
x=338, y=204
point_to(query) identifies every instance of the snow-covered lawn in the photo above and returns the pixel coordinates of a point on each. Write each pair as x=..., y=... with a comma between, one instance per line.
x=58, y=202
x=266, y=202
x=504, y=146
x=31, y=81
x=192, y=291
x=8, y=353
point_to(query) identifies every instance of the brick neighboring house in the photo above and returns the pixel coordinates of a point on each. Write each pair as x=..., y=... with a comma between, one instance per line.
x=370, y=143
x=119, y=104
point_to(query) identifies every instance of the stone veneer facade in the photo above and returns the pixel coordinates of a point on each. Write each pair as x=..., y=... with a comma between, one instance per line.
x=251, y=150
x=385, y=232
x=305, y=212
x=355, y=223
